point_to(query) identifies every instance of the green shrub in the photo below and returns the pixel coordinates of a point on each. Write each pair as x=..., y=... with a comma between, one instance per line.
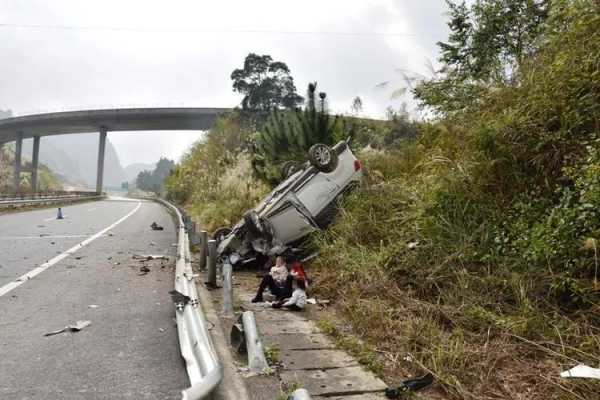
x=215, y=180
x=477, y=240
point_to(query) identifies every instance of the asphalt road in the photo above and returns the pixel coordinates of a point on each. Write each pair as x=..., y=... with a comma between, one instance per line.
x=130, y=350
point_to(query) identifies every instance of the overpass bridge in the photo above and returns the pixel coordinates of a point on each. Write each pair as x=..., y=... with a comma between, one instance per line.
x=101, y=121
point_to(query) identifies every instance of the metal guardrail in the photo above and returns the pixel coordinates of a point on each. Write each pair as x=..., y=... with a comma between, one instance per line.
x=227, y=290
x=202, y=364
x=44, y=195
x=45, y=198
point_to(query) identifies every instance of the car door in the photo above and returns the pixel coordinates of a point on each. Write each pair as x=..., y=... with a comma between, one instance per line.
x=317, y=192
x=289, y=223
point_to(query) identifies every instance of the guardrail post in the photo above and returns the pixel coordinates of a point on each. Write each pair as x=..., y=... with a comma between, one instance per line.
x=194, y=236
x=227, y=289
x=203, y=249
x=212, y=263
x=257, y=362
x=300, y=394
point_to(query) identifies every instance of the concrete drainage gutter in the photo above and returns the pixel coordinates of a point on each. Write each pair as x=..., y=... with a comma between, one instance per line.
x=202, y=364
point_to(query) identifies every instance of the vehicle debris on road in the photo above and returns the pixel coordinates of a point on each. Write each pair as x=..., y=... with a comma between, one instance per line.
x=156, y=227
x=149, y=257
x=76, y=327
x=144, y=270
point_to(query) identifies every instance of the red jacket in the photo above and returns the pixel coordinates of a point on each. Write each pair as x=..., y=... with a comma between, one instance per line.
x=297, y=271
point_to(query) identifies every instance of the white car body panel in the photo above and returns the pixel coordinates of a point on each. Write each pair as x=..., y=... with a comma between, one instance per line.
x=292, y=208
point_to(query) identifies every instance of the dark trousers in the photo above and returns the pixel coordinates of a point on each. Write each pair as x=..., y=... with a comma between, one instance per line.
x=280, y=291
x=293, y=307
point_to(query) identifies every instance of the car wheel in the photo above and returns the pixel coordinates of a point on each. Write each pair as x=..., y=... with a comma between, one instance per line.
x=323, y=157
x=254, y=224
x=289, y=168
x=220, y=233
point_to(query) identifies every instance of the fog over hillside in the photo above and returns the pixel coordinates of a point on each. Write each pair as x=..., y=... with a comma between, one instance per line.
x=74, y=158
x=132, y=170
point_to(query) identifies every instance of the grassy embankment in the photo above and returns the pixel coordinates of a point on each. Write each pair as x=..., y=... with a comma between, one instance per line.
x=470, y=251
x=474, y=249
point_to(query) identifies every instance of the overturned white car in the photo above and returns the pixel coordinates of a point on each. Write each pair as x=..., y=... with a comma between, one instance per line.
x=301, y=204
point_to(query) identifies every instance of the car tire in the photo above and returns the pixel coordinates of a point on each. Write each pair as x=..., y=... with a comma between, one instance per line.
x=323, y=157
x=253, y=224
x=220, y=233
x=288, y=168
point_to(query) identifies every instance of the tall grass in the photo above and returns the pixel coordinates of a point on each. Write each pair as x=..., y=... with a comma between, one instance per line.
x=214, y=180
x=473, y=248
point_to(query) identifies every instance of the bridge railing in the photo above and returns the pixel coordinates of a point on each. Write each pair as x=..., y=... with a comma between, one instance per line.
x=44, y=195
x=50, y=197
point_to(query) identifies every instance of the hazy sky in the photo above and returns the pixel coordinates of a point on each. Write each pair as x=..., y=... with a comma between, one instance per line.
x=73, y=54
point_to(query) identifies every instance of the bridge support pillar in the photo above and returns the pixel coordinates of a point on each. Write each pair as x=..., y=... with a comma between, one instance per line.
x=17, y=171
x=101, y=148
x=34, y=163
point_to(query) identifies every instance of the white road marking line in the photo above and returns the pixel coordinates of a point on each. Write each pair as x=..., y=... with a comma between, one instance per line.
x=92, y=209
x=38, y=270
x=42, y=237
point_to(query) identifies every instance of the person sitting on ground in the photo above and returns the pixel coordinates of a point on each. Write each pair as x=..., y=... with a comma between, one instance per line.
x=297, y=270
x=278, y=280
x=298, y=300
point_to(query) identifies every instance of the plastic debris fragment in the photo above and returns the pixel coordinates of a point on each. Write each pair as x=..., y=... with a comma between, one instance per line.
x=76, y=327
x=581, y=371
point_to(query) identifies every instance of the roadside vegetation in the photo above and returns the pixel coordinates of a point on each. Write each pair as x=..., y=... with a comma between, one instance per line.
x=214, y=180
x=471, y=249
x=47, y=180
x=154, y=181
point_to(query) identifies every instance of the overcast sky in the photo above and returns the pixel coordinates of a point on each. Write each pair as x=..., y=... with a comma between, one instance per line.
x=73, y=54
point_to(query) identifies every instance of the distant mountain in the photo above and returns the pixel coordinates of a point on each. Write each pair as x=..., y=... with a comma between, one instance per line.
x=133, y=170
x=74, y=158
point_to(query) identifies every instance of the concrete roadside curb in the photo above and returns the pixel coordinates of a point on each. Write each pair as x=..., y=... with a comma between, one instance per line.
x=306, y=356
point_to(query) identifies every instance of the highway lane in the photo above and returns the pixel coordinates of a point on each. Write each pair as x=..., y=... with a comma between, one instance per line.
x=31, y=238
x=130, y=350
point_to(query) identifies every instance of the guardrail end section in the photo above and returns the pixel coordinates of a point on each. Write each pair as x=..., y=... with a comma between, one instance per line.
x=257, y=362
